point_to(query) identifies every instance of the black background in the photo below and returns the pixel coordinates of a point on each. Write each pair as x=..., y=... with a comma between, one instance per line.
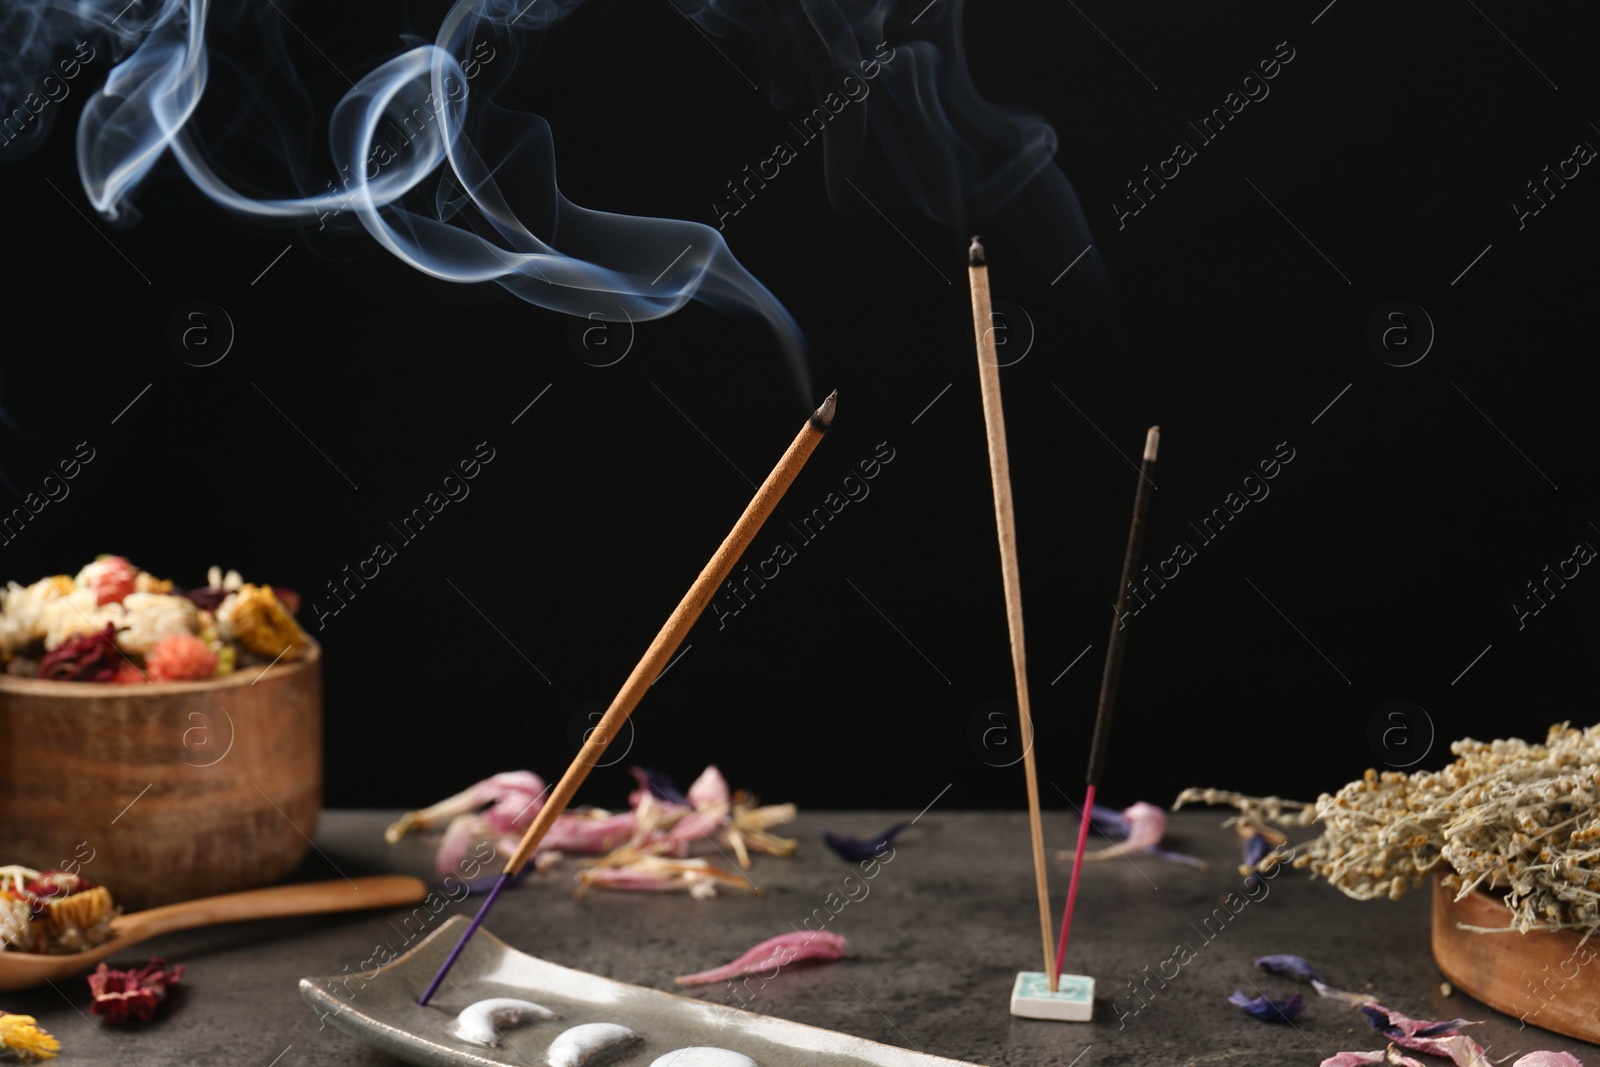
x=1391, y=547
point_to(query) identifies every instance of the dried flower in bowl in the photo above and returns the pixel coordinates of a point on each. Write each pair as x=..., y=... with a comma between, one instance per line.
x=149, y=617
x=90, y=658
x=110, y=578
x=180, y=658
x=257, y=620
x=58, y=628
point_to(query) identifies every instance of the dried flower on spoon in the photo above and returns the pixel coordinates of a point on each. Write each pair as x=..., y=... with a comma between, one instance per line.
x=52, y=912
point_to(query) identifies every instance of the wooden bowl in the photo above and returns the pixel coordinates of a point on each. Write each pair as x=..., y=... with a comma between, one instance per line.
x=168, y=791
x=1542, y=978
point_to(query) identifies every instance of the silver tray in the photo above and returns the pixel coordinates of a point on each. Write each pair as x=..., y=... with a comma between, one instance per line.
x=381, y=1010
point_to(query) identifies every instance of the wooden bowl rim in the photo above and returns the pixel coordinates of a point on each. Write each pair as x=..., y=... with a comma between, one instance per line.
x=100, y=690
x=1445, y=901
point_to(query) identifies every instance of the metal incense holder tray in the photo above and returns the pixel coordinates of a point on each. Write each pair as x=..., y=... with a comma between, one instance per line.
x=383, y=1012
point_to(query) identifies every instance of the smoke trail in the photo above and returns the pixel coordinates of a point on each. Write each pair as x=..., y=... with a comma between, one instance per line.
x=961, y=159
x=466, y=191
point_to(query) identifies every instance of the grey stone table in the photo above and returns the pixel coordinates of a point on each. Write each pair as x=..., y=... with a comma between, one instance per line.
x=936, y=939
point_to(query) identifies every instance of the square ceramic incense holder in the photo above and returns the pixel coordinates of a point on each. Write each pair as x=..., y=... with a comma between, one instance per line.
x=1072, y=1002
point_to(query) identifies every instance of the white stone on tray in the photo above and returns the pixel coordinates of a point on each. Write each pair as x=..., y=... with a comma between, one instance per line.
x=480, y=1023
x=703, y=1056
x=591, y=1043
x=1072, y=1002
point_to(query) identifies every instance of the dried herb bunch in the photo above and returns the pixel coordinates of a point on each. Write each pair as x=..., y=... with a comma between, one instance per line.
x=1509, y=817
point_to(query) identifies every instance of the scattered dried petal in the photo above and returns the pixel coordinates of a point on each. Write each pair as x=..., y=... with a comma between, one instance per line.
x=21, y=1036
x=1287, y=966
x=133, y=994
x=1435, y=1038
x=656, y=784
x=856, y=850
x=1145, y=826
x=774, y=953
x=1266, y=1009
x=710, y=789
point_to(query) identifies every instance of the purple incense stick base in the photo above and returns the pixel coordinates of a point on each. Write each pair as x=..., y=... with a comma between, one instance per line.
x=466, y=935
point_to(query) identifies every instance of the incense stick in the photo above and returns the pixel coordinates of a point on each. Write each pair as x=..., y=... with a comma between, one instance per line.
x=994, y=420
x=655, y=659
x=1109, y=680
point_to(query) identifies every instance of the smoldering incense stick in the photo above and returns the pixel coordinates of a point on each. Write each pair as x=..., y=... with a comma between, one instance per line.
x=1109, y=680
x=994, y=420
x=655, y=660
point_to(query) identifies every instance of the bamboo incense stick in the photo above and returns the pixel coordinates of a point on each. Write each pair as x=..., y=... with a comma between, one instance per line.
x=655, y=660
x=994, y=420
x=1109, y=679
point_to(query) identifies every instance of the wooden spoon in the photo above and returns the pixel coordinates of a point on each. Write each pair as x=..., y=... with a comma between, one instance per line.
x=24, y=970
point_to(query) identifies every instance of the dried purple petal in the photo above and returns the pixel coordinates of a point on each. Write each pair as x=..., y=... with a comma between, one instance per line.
x=1180, y=858
x=1257, y=847
x=1287, y=966
x=209, y=598
x=1391, y=1023
x=1266, y=1009
x=856, y=850
x=1420, y=1035
x=658, y=785
x=1108, y=822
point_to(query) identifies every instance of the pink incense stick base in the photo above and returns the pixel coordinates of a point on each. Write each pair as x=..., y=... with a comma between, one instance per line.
x=1072, y=1002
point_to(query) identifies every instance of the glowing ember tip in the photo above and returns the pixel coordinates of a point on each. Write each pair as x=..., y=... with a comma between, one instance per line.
x=822, y=418
x=975, y=254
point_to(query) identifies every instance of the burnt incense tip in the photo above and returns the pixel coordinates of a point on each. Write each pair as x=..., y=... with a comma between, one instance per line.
x=975, y=253
x=1152, y=441
x=822, y=418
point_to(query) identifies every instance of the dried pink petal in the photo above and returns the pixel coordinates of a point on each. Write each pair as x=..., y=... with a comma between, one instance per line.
x=589, y=835
x=1356, y=1059
x=1458, y=1048
x=632, y=881
x=1147, y=824
x=516, y=797
x=693, y=827
x=710, y=789
x=459, y=838
x=774, y=953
